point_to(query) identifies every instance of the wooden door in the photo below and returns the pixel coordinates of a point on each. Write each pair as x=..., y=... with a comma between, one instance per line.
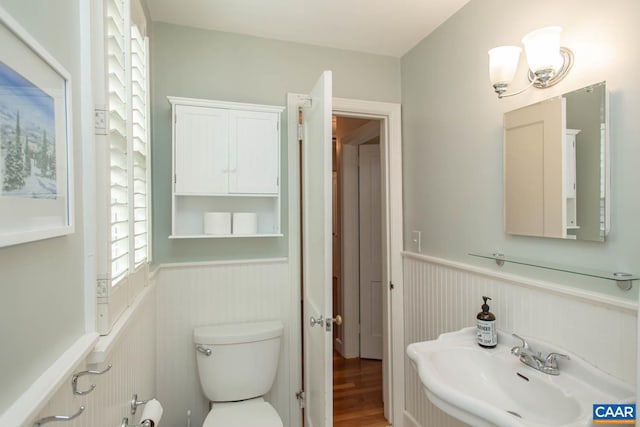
x=534, y=201
x=370, y=252
x=317, y=257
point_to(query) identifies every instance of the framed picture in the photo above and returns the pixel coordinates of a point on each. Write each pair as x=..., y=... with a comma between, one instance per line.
x=36, y=179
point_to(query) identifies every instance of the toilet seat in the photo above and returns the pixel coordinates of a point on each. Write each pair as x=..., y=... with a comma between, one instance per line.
x=253, y=413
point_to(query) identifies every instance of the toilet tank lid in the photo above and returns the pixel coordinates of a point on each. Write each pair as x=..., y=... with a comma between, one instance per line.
x=234, y=333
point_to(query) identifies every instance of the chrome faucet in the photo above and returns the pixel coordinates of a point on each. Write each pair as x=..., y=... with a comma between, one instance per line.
x=548, y=365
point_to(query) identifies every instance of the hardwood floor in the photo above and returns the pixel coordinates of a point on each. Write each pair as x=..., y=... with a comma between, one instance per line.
x=357, y=393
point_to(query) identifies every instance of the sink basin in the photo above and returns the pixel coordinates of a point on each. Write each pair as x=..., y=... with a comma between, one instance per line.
x=489, y=387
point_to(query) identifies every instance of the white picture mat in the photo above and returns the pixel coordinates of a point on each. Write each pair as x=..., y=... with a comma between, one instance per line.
x=24, y=219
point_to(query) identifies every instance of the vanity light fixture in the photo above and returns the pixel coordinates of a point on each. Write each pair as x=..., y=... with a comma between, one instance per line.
x=548, y=61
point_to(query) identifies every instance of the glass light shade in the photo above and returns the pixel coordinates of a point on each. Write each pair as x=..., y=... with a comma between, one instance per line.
x=503, y=62
x=542, y=48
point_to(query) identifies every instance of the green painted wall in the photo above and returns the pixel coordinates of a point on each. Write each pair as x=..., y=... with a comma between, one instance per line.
x=205, y=64
x=452, y=132
x=41, y=283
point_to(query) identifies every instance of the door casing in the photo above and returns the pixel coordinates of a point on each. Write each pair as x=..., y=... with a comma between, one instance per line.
x=391, y=162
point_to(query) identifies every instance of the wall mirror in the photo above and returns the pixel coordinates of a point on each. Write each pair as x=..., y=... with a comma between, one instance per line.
x=556, y=167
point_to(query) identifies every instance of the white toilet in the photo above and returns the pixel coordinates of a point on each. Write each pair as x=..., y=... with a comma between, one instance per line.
x=237, y=364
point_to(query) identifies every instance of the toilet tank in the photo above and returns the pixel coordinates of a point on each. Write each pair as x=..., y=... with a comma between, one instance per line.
x=243, y=360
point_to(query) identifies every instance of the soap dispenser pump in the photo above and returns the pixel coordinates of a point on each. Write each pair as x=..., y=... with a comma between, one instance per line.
x=486, y=323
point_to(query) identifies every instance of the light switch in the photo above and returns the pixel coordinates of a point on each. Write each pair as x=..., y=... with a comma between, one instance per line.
x=415, y=240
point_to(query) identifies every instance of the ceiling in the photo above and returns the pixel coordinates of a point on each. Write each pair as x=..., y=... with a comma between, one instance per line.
x=385, y=27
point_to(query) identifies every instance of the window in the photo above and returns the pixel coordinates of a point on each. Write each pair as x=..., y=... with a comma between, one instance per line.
x=125, y=230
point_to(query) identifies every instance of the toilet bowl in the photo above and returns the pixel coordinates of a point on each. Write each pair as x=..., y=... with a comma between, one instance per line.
x=237, y=365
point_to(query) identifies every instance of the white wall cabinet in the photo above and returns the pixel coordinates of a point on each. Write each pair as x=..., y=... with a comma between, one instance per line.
x=570, y=180
x=226, y=158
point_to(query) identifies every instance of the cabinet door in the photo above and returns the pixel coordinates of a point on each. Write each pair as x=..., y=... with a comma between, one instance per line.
x=254, y=158
x=201, y=150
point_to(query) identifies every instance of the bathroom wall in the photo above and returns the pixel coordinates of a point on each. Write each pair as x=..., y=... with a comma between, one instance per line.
x=208, y=293
x=444, y=296
x=452, y=131
x=200, y=280
x=198, y=63
x=41, y=283
x=133, y=359
x=452, y=160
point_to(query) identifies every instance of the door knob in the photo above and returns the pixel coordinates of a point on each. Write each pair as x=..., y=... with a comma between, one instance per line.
x=316, y=322
x=329, y=322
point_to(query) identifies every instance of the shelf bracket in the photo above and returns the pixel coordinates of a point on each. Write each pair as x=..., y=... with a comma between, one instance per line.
x=624, y=281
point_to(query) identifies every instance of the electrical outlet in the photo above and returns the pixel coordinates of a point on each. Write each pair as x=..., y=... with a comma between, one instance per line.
x=100, y=121
x=416, y=237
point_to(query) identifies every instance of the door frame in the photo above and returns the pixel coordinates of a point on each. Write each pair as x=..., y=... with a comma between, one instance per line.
x=392, y=238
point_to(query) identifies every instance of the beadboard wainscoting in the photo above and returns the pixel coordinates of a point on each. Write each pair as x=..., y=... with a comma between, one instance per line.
x=191, y=295
x=442, y=296
x=133, y=358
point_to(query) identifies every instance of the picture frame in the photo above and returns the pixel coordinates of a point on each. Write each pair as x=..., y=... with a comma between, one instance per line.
x=36, y=148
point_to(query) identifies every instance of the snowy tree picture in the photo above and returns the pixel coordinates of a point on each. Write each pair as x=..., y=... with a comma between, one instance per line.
x=27, y=138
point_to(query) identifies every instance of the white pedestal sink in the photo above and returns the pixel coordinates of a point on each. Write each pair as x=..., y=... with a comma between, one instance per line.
x=491, y=387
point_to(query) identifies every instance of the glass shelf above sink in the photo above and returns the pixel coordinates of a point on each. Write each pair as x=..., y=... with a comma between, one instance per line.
x=623, y=279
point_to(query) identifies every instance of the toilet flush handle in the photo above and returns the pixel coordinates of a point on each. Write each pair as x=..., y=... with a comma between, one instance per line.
x=204, y=350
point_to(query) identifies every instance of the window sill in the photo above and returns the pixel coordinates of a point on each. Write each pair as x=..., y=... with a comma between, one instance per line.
x=38, y=394
x=107, y=343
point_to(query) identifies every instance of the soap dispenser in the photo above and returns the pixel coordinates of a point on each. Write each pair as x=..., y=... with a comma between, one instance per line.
x=486, y=322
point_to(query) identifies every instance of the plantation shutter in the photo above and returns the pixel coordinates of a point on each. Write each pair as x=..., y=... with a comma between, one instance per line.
x=124, y=232
x=118, y=147
x=139, y=106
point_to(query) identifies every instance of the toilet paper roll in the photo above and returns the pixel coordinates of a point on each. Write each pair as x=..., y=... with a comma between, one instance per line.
x=217, y=223
x=152, y=412
x=245, y=223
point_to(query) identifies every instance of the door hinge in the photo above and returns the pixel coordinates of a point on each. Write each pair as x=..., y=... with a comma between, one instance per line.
x=391, y=285
x=306, y=101
x=100, y=121
x=102, y=288
x=300, y=397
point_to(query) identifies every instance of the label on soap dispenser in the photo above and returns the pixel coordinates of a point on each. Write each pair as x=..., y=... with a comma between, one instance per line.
x=487, y=333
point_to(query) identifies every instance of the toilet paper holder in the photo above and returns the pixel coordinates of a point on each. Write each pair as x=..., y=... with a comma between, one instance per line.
x=135, y=403
x=125, y=423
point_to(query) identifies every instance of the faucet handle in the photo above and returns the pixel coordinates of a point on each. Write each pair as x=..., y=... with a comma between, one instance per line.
x=551, y=360
x=517, y=350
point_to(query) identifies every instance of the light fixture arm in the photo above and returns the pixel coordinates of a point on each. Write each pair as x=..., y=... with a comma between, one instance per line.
x=501, y=89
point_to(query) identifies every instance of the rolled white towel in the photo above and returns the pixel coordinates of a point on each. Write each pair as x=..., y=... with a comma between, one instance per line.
x=152, y=412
